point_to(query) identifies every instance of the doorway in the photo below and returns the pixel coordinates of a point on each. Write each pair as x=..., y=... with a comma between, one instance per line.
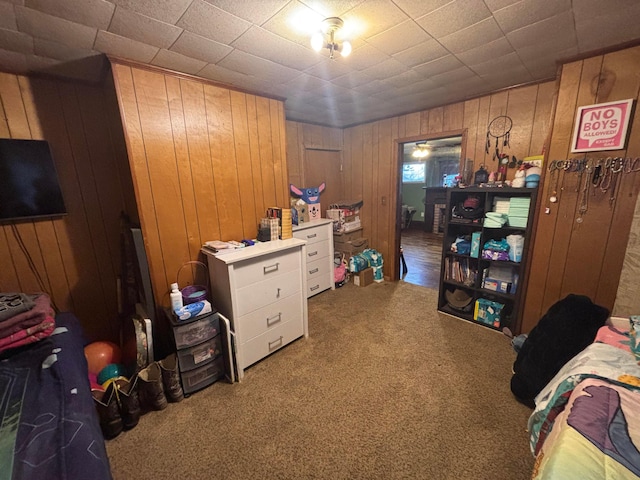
x=427, y=167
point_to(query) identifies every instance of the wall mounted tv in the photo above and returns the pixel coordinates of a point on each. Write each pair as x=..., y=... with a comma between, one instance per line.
x=29, y=187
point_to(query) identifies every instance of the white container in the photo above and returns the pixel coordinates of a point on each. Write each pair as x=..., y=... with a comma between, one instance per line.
x=176, y=297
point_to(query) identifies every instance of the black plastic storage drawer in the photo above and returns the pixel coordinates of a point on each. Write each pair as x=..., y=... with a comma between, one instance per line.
x=202, y=376
x=192, y=357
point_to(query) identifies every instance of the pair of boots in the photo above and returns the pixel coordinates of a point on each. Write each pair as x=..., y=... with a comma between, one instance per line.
x=159, y=382
x=118, y=406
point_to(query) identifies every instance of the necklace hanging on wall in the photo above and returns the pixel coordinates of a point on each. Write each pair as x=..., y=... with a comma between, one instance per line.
x=500, y=130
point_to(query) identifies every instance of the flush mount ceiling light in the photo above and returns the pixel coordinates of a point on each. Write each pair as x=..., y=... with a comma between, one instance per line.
x=326, y=38
x=421, y=150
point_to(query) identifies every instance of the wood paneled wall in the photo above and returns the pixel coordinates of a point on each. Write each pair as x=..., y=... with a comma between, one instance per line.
x=76, y=258
x=206, y=162
x=372, y=166
x=585, y=258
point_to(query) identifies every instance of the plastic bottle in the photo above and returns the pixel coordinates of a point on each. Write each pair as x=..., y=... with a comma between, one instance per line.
x=176, y=297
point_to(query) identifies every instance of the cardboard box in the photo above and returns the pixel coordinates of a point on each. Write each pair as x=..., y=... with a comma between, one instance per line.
x=351, y=247
x=364, y=277
x=496, y=285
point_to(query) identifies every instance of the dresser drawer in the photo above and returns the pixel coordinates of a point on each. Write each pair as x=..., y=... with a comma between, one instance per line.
x=259, y=321
x=313, y=234
x=269, y=342
x=258, y=295
x=317, y=250
x=192, y=357
x=202, y=376
x=318, y=277
x=196, y=331
x=265, y=267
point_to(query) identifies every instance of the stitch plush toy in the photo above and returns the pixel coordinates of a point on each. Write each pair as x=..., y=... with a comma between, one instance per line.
x=311, y=196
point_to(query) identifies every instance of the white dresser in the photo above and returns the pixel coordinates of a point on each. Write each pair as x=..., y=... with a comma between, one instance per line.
x=261, y=289
x=319, y=257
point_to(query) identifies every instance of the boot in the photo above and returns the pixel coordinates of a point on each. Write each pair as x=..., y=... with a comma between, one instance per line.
x=171, y=378
x=107, y=406
x=150, y=388
x=129, y=401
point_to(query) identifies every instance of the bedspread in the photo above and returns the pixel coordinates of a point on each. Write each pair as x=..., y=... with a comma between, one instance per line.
x=49, y=427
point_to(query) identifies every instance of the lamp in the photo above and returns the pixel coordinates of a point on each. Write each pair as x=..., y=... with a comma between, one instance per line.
x=329, y=27
x=421, y=150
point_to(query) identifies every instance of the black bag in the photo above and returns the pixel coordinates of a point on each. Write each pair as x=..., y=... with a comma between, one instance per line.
x=570, y=325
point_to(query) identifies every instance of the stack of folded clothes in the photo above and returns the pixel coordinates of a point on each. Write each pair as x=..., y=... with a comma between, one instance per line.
x=24, y=319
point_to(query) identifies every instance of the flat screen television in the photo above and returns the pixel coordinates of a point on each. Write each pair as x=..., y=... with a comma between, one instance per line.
x=29, y=187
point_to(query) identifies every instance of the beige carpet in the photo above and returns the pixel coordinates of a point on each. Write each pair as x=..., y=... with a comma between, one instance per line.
x=383, y=388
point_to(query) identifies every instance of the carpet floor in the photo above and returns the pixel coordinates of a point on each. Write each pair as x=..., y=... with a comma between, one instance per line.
x=384, y=387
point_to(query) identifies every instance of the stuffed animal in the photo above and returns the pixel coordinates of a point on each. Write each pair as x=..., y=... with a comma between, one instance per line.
x=311, y=196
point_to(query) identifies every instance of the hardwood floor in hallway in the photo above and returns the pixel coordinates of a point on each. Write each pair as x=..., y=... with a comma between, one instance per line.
x=422, y=254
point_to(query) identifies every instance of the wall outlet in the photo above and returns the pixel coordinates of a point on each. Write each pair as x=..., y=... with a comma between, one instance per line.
x=422, y=214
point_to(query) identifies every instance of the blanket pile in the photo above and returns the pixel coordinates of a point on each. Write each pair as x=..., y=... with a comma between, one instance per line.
x=24, y=319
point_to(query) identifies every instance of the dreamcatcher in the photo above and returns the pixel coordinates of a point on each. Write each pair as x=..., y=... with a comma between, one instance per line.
x=500, y=130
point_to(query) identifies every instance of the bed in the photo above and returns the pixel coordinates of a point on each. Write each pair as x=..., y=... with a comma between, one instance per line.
x=586, y=423
x=49, y=428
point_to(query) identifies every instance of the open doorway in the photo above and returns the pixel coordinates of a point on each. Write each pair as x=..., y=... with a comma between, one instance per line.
x=428, y=167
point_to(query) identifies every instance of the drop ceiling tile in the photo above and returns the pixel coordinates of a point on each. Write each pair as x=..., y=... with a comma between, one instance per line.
x=588, y=9
x=559, y=28
x=375, y=16
x=113, y=44
x=503, y=63
x=352, y=79
x=419, y=8
x=258, y=67
x=13, y=61
x=211, y=22
x=222, y=75
x=481, y=33
x=168, y=11
x=370, y=88
x=143, y=29
x=386, y=68
x=48, y=27
x=454, y=16
x=438, y=66
x=58, y=51
x=398, y=38
x=328, y=69
x=612, y=29
x=421, y=53
x=451, y=76
x=498, y=4
x=7, y=16
x=424, y=85
x=262, y=43
x=527, y=12
x=408, y=77
x=517, y=76
x=365, y=57
x=306, y=83
x=485, y=52
x=254, y=12
x=386, y=93
x=179, y=63
x=295, y=22
x=200, y=48
x=16, y=41
x=332, y=8
x=92, y=13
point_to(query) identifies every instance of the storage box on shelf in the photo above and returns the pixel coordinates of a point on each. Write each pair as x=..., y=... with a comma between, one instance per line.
x=479, y=278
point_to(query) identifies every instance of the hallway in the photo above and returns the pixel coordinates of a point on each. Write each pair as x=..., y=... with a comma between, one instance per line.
x=422, y=254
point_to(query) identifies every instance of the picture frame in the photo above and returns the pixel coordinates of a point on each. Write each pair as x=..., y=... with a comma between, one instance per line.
x=601, y=126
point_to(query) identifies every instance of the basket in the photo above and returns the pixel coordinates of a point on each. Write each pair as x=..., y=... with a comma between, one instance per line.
x=193, y=293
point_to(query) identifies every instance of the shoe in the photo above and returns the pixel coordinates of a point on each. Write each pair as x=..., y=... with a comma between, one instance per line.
x=106, y=403
x=171, y=378
x=129, y=401
x=150, y=388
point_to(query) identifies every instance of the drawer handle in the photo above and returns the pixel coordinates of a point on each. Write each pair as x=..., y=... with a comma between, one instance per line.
x=271, y=268
x=275, y=319
x=312, y=236
x=311, y=254
x=314, y=288
x=278, y=293
x=311, y=272
x=276, y=343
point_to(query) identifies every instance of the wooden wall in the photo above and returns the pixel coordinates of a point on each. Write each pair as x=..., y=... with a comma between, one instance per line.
x=372, y=168
x=76, y=258
x=585, y=258
x=206, y=162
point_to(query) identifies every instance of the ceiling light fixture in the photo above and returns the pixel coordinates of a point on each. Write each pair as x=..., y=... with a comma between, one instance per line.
x=421, y=150
x=328, y=28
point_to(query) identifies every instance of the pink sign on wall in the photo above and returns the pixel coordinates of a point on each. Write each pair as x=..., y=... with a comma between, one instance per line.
x=602, y=126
